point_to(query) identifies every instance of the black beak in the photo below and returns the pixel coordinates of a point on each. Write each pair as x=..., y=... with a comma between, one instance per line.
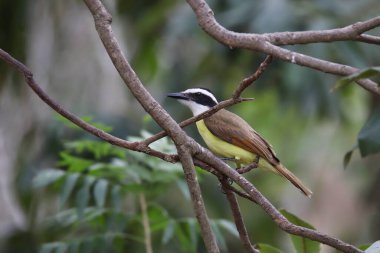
x=178, y=95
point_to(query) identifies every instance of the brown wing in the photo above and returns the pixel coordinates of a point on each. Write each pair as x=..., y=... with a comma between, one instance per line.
x=233, y=129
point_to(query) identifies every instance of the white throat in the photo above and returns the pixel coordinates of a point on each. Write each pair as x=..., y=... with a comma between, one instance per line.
x=194, y=107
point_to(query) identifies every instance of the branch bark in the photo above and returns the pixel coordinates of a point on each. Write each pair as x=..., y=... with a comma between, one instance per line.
x=103, y=25
x=135, y=146
x=275, y=215
x=266, y=43
x=188, y=149
x=234, y=205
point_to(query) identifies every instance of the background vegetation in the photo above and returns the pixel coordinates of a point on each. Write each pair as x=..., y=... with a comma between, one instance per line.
x=310, y=127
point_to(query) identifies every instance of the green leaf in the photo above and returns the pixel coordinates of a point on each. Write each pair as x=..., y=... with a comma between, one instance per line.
x=364, y=73
x=218, y=235
x=47, y=177
x=87, y=119
x=347, y=156
x=53, y=247
x=266, y=248
x=229, y=226
x=74, y=164
x=183, y=189
x=98, y=148
x=83, y=195
x=374, y=248
x=168, y=232
x=116, y=197
x=68, y=187
x=100, y=191
x=61, y=248
x=369, y=135
x=301, y=244
x=186, y=232
x=74, y=247
x=87, y=246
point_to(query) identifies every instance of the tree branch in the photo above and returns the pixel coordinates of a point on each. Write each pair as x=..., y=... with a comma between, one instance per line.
x=350, y=32
x=207, y=157
x=145, y=222
x=135, y=146
x=103, y=25
x=186, y=146
x=226, y=103
x=237, y=217
x=196, y=196
x=369, y=39
x=261, y=43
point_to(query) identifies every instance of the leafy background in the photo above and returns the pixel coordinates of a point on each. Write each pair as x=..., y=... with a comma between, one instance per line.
x=310, y=127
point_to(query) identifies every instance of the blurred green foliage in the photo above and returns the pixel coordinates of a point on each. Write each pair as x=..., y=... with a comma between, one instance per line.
x=98, y=186
x=170, y=53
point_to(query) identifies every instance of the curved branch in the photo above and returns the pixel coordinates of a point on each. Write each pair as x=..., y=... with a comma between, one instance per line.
x=135, y=146
x=208, y=158
x=350, y=32
x=261, y=44
x=102, y=21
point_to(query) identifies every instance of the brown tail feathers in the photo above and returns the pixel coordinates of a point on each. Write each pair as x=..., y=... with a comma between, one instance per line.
x=293, y=179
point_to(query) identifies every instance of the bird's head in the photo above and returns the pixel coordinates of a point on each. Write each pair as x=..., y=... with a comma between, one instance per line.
x=197, y=99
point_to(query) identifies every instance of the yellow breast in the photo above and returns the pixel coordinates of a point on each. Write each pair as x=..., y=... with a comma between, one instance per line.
x=223, y=148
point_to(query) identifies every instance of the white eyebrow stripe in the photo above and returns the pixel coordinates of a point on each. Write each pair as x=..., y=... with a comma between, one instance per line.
x=207, y=93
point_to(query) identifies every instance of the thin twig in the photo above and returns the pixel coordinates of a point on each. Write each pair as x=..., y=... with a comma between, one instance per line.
x=193, y=119
x=369, y=39
x=207, y=157
x=249, y=80
x=102, y=20
x=221, y=105
x=238, y=217
x=145, y=222
x=136, y=146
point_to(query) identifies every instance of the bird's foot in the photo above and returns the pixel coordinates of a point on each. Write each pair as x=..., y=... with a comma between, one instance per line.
x=228, y=159
x=249, y=167
x=225, y=180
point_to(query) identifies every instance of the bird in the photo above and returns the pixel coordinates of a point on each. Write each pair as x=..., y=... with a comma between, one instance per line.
x=229, y=136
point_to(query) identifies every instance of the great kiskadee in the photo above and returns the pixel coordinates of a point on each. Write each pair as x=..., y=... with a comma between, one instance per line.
x=229, y=136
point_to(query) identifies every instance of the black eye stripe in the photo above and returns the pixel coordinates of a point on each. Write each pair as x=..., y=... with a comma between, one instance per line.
x=202, y=99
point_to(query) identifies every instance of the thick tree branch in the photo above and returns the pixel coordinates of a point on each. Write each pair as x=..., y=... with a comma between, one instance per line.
x=350, y=32
x=207, y=157
x=260, y=43
x=186, y=146
x=103, y=25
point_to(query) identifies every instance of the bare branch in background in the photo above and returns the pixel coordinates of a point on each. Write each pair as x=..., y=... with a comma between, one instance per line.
x=267, y=43
x=190, y=152
x=135, y=146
